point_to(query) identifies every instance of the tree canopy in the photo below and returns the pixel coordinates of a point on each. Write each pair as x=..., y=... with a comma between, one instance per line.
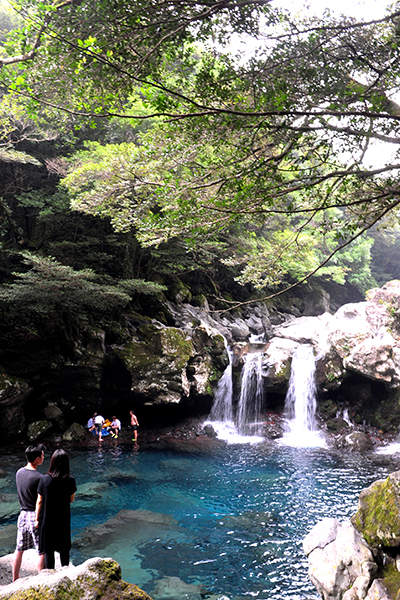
x=271, y=147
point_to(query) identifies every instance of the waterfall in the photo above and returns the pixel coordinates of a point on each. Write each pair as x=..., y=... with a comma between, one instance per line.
x=222, y=408
x=300, y=402
x=229, y=421
x=344, y=414
x=251, y=395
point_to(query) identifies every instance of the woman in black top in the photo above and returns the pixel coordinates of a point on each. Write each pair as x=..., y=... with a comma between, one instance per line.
x=56, y=491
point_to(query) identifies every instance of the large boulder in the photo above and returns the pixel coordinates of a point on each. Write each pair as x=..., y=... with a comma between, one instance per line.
x=38, y=429
x=98, y=578
x=378, y=514
x=339, y=559
x=157, y=362
x=277, y=360
x=342, y=555
x=74, y=433
x=168, y=364
x=361, y=338
x=356, y=441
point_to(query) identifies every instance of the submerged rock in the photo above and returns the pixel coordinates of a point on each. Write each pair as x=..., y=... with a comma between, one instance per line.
x=137, y=525
x=171, y=588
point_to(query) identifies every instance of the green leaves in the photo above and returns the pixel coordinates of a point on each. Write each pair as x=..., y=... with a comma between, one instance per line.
x=273, y=145
x=49, y=292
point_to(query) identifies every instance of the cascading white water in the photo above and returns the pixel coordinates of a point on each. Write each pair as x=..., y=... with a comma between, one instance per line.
x=301, y=403
x=251, y=395
x=231, y=424
x=344, y=414
x=222, y=408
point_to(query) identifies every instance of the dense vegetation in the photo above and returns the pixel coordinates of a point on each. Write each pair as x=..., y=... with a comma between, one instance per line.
x=138, y=150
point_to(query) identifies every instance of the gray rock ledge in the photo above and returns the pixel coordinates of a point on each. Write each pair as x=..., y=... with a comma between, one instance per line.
x=97, y=578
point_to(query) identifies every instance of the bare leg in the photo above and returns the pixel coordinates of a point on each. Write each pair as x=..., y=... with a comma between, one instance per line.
x=17, y=564
x=41, y=562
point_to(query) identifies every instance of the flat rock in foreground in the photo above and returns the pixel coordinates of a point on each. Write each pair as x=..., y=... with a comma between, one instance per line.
x=95, y=579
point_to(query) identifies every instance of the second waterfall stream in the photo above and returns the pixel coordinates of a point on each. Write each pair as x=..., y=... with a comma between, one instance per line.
x=301, y=401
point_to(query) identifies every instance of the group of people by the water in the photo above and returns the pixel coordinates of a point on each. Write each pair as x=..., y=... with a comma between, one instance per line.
x=101, y=426
x=44, y=522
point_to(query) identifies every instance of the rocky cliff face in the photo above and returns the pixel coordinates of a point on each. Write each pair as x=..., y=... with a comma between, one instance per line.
x=142, y=361
x=357, y=351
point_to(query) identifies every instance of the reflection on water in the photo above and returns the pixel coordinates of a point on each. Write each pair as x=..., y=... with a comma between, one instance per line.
x=231, y=521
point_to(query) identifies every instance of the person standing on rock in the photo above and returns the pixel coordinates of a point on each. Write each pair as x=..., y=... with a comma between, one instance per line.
x=99, y=422
x=27, y=480
x=56, y=492
x=134, y=425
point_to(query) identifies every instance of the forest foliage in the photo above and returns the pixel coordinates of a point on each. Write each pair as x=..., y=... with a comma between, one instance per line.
x=170, y=154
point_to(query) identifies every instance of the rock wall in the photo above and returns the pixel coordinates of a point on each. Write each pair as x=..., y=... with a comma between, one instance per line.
x=177, y=361
x=137, y=362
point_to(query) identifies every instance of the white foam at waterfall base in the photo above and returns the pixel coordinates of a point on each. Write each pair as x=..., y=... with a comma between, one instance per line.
x=226, y=431
x=300, y=403
x=393, y=448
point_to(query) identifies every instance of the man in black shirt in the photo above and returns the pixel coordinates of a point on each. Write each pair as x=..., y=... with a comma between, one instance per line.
x=27, y=480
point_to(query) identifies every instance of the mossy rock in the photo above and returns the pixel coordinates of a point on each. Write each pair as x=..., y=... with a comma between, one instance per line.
x=167, y=343
x=200, y=301
x=378, y=514
x=328, y=409
x=75, y=433
x=178, y=292
x=96, y=578
x=391, y=580
x=38, y=429
x=387, y=415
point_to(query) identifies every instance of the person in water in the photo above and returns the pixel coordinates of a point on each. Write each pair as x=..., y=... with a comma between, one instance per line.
x=134, y=425
x=56, y=492
x=27, y=480
x=99, y=422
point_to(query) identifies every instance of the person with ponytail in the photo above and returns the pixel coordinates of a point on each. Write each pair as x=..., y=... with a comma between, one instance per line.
x=56, y=492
